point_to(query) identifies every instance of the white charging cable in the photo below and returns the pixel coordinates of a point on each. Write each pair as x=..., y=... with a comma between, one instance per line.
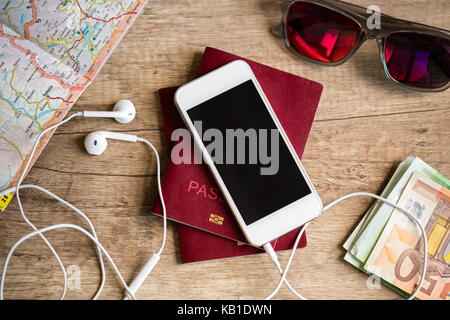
x=131, y=290
x=273, y=256
x=148, y=267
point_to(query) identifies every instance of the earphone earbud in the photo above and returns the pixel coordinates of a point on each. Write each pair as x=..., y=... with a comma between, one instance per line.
x=124, y=112
x=96, y=142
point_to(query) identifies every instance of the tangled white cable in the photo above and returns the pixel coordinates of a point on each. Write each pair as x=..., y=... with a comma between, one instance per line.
x=95, y=144
x=130, y=290
x=284, y=272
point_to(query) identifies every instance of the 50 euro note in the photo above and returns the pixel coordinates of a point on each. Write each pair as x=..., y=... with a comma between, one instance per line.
x=398, y=255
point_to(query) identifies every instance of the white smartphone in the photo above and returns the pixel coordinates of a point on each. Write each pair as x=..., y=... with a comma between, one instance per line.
x=257, y=170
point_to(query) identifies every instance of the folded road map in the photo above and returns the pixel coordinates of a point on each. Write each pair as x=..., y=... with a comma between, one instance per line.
x=50, y=51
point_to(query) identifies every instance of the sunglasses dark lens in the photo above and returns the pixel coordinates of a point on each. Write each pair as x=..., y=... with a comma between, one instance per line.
x=418, y=60
x=320, y=33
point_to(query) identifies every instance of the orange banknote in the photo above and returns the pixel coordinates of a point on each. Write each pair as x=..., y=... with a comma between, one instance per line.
x=398, y=255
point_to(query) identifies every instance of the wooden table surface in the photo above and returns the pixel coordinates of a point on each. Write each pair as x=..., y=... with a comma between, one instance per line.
x=365, y=126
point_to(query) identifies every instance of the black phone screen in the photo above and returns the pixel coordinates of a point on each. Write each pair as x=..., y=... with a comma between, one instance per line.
x=250, y=155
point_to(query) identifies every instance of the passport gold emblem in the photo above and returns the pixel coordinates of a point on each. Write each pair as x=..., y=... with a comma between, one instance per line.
x=214, y=218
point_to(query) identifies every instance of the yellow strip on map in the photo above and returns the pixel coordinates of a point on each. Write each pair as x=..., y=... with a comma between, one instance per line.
x=4, y=201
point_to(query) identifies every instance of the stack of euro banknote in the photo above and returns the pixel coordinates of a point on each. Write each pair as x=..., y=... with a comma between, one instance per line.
x=387, y=245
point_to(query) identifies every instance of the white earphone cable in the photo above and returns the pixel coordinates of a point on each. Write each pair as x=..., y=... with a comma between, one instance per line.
x=130, y=290
x=17, y=190
x=163, y=205
x=79, y=212
x=93, y=236
x=19, y=182
x=284, y=272
x=63, y=226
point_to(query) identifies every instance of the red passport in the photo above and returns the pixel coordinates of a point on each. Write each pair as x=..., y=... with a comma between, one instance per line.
x=191, y=195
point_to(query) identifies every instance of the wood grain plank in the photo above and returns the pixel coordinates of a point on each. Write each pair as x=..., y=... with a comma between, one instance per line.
x=365, y=126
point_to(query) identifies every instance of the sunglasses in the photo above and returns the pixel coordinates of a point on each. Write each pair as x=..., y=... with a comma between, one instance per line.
x=329, y=32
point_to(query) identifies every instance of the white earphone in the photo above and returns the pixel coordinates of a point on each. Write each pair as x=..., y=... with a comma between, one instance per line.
x=124, y=112
x=96, y=143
